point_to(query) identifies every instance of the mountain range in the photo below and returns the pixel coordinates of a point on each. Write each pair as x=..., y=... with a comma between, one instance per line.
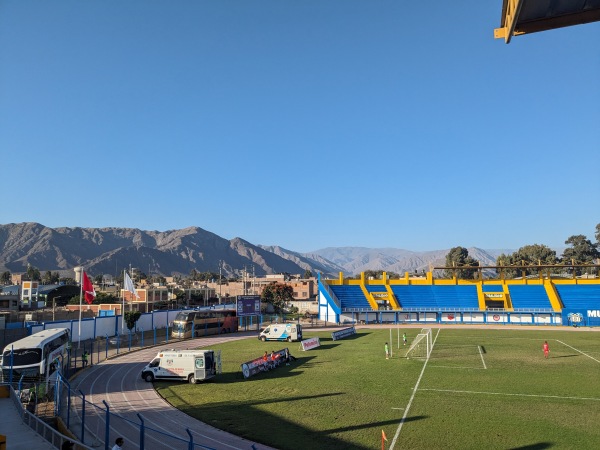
x=178, y=252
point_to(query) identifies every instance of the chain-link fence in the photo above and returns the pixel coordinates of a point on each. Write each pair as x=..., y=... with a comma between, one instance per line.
x=90, y=423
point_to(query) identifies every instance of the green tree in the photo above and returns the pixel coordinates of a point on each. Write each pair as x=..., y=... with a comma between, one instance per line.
x=598, y=236
x=5, y=278
x=307, y=274
x=50, y=278
x=582, y=251
x=525, y=260
x=101, y=297
x=33, y=273
x=459, y=257
x=277, y=295
x=131, y=317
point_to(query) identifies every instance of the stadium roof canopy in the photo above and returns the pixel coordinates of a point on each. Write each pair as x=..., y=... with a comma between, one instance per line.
x=530, y=16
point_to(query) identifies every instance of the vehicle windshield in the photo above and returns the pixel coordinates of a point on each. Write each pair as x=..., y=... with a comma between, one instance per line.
x=22, y=357
x=184, y=316
x=182, y=326
x=154, y=363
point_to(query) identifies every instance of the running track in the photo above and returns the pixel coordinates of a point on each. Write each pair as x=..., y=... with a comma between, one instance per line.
x=117, y=381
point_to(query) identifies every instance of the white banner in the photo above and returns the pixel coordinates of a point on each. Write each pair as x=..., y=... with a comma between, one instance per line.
x=450, y=317
x=307, y=344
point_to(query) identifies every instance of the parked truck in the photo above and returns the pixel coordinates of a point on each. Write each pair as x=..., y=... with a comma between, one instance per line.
x=281, y=332
x=190, y=365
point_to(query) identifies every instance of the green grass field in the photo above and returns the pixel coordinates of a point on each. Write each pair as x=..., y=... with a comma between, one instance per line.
x=481, y=388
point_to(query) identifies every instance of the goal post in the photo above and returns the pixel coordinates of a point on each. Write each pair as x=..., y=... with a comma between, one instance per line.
x=422, y=345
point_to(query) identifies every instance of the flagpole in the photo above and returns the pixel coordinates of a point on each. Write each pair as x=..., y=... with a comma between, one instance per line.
x=123, y=307
x=80, y=306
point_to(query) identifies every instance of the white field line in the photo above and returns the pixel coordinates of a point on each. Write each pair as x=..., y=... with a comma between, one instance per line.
x=579, y=351
x=391, y=447
x=481, y=354
x=513, y=395
x=457, y=367
x=584, y=354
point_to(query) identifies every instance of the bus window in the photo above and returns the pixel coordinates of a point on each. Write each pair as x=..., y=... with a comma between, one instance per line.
x=23, y=357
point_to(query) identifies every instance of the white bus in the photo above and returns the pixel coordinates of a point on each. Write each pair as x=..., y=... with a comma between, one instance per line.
x=36, y=357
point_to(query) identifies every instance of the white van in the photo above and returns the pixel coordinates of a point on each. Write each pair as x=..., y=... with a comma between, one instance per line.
x=281, y=332
x=190, y=365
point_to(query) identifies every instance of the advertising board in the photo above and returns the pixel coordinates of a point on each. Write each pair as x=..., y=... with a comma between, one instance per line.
x=248, y=305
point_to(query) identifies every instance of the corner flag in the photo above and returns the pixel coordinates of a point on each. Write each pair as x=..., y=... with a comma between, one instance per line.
x=383, y=440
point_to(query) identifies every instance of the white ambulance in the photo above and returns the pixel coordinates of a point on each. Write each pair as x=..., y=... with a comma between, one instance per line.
x=281, y=332
x=190, y=365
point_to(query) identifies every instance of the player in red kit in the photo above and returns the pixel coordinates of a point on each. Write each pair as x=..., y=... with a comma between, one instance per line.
x=546, y=349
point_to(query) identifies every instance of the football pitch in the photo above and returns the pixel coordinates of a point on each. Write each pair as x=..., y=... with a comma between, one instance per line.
x=480, y=388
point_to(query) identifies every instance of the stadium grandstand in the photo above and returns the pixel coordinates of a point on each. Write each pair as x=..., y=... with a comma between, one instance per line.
x=541, y=299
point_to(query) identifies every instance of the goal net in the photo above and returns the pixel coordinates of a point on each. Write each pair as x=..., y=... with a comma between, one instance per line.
x=422, y=345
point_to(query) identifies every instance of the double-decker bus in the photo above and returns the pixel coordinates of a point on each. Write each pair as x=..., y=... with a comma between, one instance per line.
x=196, y=323
x=35, y=358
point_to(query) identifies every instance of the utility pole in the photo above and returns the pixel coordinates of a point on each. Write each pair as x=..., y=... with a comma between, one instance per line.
x=220, y=279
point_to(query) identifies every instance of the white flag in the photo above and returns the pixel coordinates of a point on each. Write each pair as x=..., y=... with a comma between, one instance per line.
x=128, y=285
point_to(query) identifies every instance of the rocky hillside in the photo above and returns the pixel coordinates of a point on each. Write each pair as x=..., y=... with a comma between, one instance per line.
x=178, y=252
x=109, y=250
x=355, y=260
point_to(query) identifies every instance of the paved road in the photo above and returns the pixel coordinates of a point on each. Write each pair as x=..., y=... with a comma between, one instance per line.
x=117, y=382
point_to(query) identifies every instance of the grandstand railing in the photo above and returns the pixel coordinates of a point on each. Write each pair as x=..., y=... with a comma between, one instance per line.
x=426, y=309
x=331, y=294
x=457, y=309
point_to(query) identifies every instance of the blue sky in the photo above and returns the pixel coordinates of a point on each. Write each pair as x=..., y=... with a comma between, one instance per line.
x=305, y=124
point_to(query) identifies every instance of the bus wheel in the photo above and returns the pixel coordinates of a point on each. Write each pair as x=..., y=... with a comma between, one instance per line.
x=149, y=377
x=263, y=338
x=191, y=379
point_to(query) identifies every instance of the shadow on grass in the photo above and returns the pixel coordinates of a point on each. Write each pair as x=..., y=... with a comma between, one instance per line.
x=538, y=446
x=282, y=371
x=374, y=424
x=564, y=356
x=347, y=338
x=260, y=425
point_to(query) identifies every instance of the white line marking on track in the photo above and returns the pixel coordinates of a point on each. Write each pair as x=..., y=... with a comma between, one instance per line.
x=584, y=354
x=391, y=447
x=514, y=395
x=481, y=354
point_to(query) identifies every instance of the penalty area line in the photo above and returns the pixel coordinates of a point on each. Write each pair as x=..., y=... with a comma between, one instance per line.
x=457, y=367
x=481, y=354
x=560, y=397
x=584, y=354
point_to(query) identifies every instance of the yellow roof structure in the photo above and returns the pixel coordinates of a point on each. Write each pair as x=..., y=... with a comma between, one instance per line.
x=530, y=16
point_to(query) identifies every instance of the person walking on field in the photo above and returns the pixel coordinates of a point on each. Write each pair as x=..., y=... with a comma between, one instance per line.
x=387, y=351
x=404, y=338
x=546, y=349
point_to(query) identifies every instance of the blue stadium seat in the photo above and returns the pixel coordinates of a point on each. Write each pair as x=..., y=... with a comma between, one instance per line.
x=350, y=296
x=529, y=297
x=579, y=296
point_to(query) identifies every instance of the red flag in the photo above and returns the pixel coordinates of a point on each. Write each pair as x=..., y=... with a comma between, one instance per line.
x=383, y=440
x=88, y=289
